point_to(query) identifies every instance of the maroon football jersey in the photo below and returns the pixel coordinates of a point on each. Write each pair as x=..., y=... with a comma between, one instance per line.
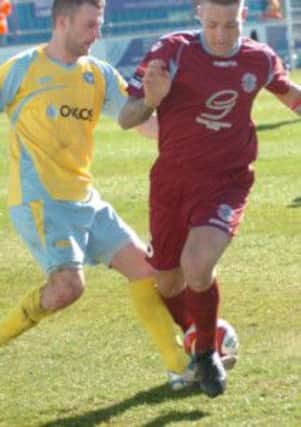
x=205, y=121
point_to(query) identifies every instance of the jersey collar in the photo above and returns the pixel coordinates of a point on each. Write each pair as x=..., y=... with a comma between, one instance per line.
x=207, y=49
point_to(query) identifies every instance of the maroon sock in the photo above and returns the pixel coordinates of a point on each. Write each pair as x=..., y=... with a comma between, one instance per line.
x=203, y=308
x=177, y=308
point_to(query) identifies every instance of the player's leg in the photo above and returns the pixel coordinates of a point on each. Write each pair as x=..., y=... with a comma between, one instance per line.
x=113, y=243
x=26, y=314
x=59, y=254
x=171, y=285
x=203, y=248
x=130, y=262
x=168, y=231
x=176, y=305
x=61, y=289
x=214, y=220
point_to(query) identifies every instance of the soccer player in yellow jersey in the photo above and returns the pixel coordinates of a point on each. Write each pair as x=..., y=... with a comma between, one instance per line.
x=53, y=95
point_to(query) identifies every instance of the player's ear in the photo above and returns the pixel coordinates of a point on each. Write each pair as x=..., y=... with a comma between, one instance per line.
x=62, y=21
x=245, y=13
x=199, y=11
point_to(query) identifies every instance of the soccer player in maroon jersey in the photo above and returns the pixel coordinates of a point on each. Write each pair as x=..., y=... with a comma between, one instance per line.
x=203, y=85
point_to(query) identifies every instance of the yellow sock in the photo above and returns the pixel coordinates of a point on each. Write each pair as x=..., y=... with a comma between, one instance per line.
x=158, y=322
x=23, y=317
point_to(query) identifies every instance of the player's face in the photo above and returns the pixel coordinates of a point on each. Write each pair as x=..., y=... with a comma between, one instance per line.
x=221, y=26
x=82, y=28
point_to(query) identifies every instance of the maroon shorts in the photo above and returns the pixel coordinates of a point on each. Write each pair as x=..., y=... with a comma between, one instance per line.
x=180, y=202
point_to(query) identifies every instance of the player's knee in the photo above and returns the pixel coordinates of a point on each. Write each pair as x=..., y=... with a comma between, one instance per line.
x=130, y=262
x=197, y=272
x=64, y=289
x=169, y=284
x=166, y=288
x=67, y=292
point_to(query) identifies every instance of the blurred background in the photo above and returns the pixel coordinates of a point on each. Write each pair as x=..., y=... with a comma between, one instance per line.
x=131, y=26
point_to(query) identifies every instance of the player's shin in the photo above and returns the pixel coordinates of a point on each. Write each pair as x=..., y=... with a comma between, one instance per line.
x=24, y=316
x=156, y=319
x=203, y=308
x=177, y=307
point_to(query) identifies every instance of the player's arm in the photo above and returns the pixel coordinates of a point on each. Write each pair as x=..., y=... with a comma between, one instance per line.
x=12, y=74
x=116, y=96
x=156, y=84
x=292, y=99
x=280, y=84
x=149, y=128
x=134, y=112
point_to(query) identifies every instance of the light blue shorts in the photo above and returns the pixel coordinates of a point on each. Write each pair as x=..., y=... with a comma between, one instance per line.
x=69, y=234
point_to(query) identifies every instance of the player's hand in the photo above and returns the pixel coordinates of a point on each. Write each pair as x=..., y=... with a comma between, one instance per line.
x=156, y=82
x=297, y=108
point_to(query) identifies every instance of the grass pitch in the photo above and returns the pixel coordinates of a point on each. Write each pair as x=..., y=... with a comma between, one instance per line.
x=93, y=365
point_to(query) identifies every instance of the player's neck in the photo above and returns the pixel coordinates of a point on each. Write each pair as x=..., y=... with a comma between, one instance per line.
x=228, y=54
x=56, y=51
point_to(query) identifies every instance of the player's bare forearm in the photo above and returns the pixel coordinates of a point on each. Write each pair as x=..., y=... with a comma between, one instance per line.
x=149, y=128
x=134, y=113
x=292, y=99
x=156, y=85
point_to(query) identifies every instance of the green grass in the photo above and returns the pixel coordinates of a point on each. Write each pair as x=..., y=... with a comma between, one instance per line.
x=92, y=365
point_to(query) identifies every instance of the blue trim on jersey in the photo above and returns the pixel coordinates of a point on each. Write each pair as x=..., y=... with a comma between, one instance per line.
x=31, y=182
x=15, y=76
x=18, y=110
x=114, y=98
x=173, y=68
x=62, y=64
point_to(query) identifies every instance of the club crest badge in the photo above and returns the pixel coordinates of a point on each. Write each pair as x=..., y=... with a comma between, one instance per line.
x=249, y=82
x=89, y=77
x=225, y=213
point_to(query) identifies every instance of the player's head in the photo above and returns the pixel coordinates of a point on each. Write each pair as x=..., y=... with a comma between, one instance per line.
x=222, y=23
x=77, y=23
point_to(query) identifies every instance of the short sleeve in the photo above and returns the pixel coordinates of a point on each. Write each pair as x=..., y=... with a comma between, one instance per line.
x=116, y=89
x=278, y=80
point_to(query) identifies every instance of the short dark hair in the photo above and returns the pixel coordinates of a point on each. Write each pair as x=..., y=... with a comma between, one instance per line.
x=67, y=7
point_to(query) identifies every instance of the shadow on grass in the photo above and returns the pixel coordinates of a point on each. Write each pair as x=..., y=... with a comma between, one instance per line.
x=296, y=203
x=270, y=126
x=150, y=397
x=175, y=417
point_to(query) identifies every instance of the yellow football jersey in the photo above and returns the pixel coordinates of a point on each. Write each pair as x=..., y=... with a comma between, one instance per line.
x=53, y=110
